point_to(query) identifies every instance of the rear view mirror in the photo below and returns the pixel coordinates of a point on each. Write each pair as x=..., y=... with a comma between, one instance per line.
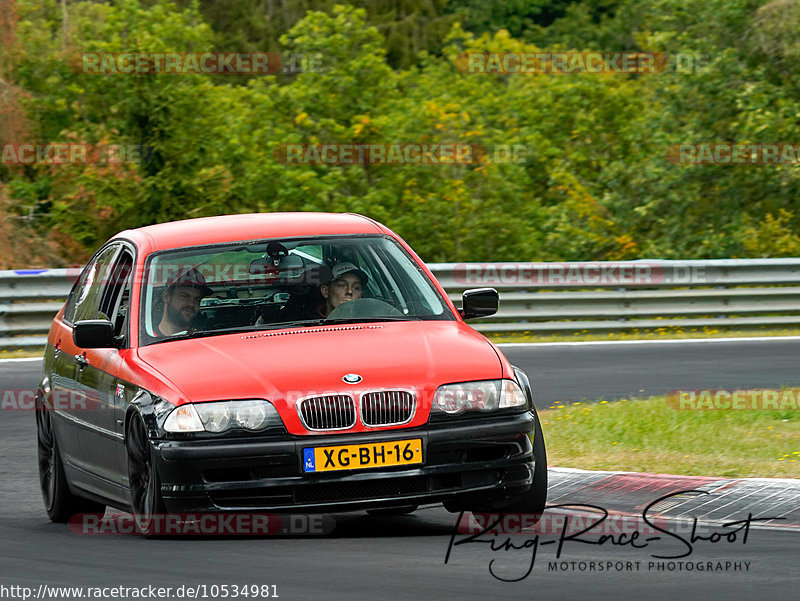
x=479, y=302
x=263, y=267
x=94, y=333
x=286, y=267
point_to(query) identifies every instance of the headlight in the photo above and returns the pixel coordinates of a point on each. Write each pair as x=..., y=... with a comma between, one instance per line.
x=220, y=416
x=483, y=396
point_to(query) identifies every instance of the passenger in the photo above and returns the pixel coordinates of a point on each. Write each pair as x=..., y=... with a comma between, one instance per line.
x=184, y=290
x=346, y=284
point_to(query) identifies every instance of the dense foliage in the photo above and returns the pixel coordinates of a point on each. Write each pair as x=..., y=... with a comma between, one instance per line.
x=594, y=184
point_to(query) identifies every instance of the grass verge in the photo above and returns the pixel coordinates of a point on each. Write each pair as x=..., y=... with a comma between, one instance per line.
x=18, y=353
x=637, y=334
x=649, y=436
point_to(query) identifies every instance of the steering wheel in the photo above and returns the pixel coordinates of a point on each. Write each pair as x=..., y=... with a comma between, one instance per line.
x=364, y=307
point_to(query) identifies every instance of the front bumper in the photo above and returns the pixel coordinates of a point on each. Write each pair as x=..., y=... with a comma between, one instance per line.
x=489, y=458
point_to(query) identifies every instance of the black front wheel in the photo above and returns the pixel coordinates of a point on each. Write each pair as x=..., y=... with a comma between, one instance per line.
x=145, y=485
x=59, y=502
x=532, y=502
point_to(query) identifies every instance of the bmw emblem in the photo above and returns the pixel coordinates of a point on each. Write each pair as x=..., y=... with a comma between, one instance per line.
x=351, y=378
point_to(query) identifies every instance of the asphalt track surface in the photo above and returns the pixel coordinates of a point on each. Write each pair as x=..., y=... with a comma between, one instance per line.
x=404, y=557
x=595, y=371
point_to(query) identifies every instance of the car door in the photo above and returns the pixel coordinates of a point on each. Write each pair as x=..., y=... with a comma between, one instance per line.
x=72, y=401
x=97, y=375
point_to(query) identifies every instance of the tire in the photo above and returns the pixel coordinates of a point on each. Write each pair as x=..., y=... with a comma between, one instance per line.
x=59, y=502
x=392, y=511
x=143, y=479
x=535, y=500
x=532, y=502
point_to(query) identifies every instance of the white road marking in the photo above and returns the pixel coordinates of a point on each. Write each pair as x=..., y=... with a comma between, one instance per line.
x=667, y=341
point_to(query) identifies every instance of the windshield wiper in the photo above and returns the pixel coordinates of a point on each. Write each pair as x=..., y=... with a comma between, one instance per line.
x=281, y=324
x=300, y=323
x=370, y=319
x=206, y=333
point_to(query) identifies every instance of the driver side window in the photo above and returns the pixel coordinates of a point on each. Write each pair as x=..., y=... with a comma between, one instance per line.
x=115, y=301
x=84, y=302
x=104, y=289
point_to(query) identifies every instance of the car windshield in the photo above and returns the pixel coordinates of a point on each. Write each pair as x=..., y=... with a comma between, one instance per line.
x=204, y=291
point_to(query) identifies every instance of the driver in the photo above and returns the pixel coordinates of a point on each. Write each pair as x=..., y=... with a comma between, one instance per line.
x=346, y=284
x=184, y=290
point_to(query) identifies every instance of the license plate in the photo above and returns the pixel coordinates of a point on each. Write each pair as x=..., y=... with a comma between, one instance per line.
x=362, y=456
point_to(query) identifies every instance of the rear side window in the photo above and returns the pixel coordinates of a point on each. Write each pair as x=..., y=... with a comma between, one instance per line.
x=84, y=302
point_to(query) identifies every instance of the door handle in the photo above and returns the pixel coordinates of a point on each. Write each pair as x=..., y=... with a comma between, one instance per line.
x=82, y=361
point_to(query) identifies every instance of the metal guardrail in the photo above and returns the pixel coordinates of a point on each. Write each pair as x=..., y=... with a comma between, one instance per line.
x=29, y=298
x=534, y=297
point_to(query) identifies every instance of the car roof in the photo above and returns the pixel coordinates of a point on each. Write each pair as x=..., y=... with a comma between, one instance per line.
x=252, y=226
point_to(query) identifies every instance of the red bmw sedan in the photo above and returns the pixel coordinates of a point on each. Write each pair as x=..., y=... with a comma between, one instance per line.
x=278, y=362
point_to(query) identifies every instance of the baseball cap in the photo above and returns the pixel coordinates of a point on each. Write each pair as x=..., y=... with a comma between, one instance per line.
x=340, y=269
x=188, y=277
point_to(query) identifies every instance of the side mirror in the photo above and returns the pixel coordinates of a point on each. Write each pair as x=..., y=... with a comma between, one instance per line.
x=94, y=333
x=479, y=302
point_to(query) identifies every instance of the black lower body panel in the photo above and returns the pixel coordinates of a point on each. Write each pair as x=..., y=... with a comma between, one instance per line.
x=490, y=458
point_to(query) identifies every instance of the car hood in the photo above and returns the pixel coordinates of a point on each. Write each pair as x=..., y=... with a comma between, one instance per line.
x=283, y=366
